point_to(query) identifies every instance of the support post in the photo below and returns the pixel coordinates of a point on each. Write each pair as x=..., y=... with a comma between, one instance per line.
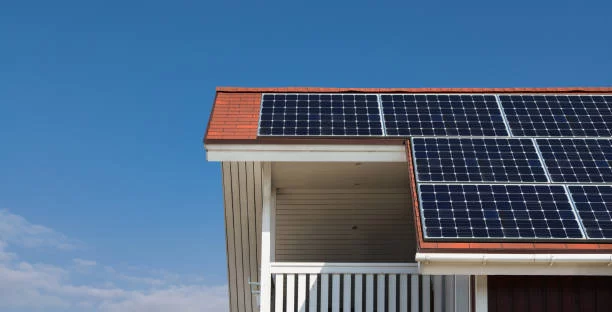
x=267, y=250
x=481, y=303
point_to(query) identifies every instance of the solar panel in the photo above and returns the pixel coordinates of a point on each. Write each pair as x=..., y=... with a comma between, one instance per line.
x=477, y=160
x=594, y=206
x=558, y=115
x=577, y=160
x=320, y=115
x=448, y=115
x=497, y=212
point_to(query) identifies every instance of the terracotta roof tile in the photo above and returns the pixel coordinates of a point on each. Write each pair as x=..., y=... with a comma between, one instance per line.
x=419, y=90
x=235, y=112
x=235, y=116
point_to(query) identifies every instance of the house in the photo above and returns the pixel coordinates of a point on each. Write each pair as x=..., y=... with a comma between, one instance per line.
x=416, y=199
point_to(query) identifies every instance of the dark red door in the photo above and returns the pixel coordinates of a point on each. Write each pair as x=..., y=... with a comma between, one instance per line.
x=550, y=293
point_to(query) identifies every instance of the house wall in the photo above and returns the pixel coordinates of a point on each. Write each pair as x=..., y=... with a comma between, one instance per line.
x=242, y=193
x=549, y=293
x=367, y=225
x=384, y=231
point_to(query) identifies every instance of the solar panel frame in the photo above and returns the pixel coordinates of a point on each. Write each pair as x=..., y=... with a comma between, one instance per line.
x=582, y=208
x=582, y=162
x=497, y=108
x=575, y=132
x=567, y=197
x=539, y=177
x=330, y=135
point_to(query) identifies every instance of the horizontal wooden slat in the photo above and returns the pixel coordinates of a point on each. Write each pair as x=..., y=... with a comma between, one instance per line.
x=342, y=197
x=304, y=191
x=336, y=226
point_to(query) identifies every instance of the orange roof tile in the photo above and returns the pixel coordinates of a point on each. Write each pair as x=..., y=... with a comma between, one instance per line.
x=235, y=113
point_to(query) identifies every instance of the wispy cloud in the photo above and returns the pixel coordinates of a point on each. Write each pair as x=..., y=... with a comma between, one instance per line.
x=84, y=263
x=16, y=230
x=27, y=286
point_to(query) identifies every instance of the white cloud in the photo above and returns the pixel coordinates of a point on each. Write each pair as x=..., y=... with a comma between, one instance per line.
x=27, y=286
x=5, y=256
x=177, y=298
x=16, y=230
x=84, y=263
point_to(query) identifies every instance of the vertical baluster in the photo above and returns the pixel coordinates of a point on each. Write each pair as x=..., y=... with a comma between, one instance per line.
x=347, y=293
x=301, y=295
x=278, y=296
x=324, y=292
x=358, y=299
x=380, y=292
x=313, y=293
x=369, y=293
x=336, y=293
x=403, y=293
x=392, y=292
x=414, y=293
x=290, y=293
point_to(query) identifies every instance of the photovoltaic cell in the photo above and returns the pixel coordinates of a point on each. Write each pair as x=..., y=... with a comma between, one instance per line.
x=445, y=115
x=497, y=212
x=577, y=160
x=594, y=205
x=558, y=115
x=320, y=115
x=477, y=160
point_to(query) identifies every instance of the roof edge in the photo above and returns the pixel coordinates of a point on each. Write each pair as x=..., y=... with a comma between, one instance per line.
x=225, y=89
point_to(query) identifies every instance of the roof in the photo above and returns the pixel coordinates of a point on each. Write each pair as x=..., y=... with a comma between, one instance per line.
x=235, y=114
x=235, y=117
x=475, y=247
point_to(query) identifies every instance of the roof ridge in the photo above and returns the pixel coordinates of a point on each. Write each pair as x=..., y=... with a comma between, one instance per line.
x=226, y=89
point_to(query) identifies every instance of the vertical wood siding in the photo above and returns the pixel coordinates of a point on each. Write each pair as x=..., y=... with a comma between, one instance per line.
x=243, y=203
x=344, y=226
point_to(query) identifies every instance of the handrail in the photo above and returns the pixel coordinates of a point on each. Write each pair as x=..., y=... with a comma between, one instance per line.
x=342, y=268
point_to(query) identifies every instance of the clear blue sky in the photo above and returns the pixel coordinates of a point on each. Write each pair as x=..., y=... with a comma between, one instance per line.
x=103, y=107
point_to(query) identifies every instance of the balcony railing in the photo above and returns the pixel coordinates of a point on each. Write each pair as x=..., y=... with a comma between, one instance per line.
x=314, y=287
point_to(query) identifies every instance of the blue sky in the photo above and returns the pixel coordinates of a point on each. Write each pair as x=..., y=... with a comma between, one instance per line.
x=106, y=200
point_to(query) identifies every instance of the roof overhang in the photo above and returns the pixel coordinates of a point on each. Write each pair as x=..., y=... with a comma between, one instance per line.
x=307, y=152
x=514, y=264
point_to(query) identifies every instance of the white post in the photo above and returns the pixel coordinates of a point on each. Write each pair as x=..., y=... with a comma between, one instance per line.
x=481, y=303
x=462, y=293
x=267, y=249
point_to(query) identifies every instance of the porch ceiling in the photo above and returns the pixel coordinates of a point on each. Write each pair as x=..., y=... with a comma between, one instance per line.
x=340, y=175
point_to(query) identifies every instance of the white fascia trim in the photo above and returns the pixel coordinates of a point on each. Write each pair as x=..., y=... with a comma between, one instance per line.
x=514, y=264
x=342, y=268
x=305, y=152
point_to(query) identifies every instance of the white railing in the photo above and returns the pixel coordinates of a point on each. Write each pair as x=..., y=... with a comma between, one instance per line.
x=314, y=287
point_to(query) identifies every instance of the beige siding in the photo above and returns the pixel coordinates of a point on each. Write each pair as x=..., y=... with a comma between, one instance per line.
x=243, y=202
x=344, y=226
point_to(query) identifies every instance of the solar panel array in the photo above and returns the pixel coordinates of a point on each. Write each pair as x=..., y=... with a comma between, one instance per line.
x=446, y=115
x=320, y=115
x=558, y=115
x=488, y=167
x=577, y=160
x=594, y=205
x=477, y=160
x=497, y=211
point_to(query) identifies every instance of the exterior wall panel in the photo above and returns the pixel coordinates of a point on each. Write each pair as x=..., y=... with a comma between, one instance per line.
x=344, y=226
x=243, y=203
x=550, y=293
